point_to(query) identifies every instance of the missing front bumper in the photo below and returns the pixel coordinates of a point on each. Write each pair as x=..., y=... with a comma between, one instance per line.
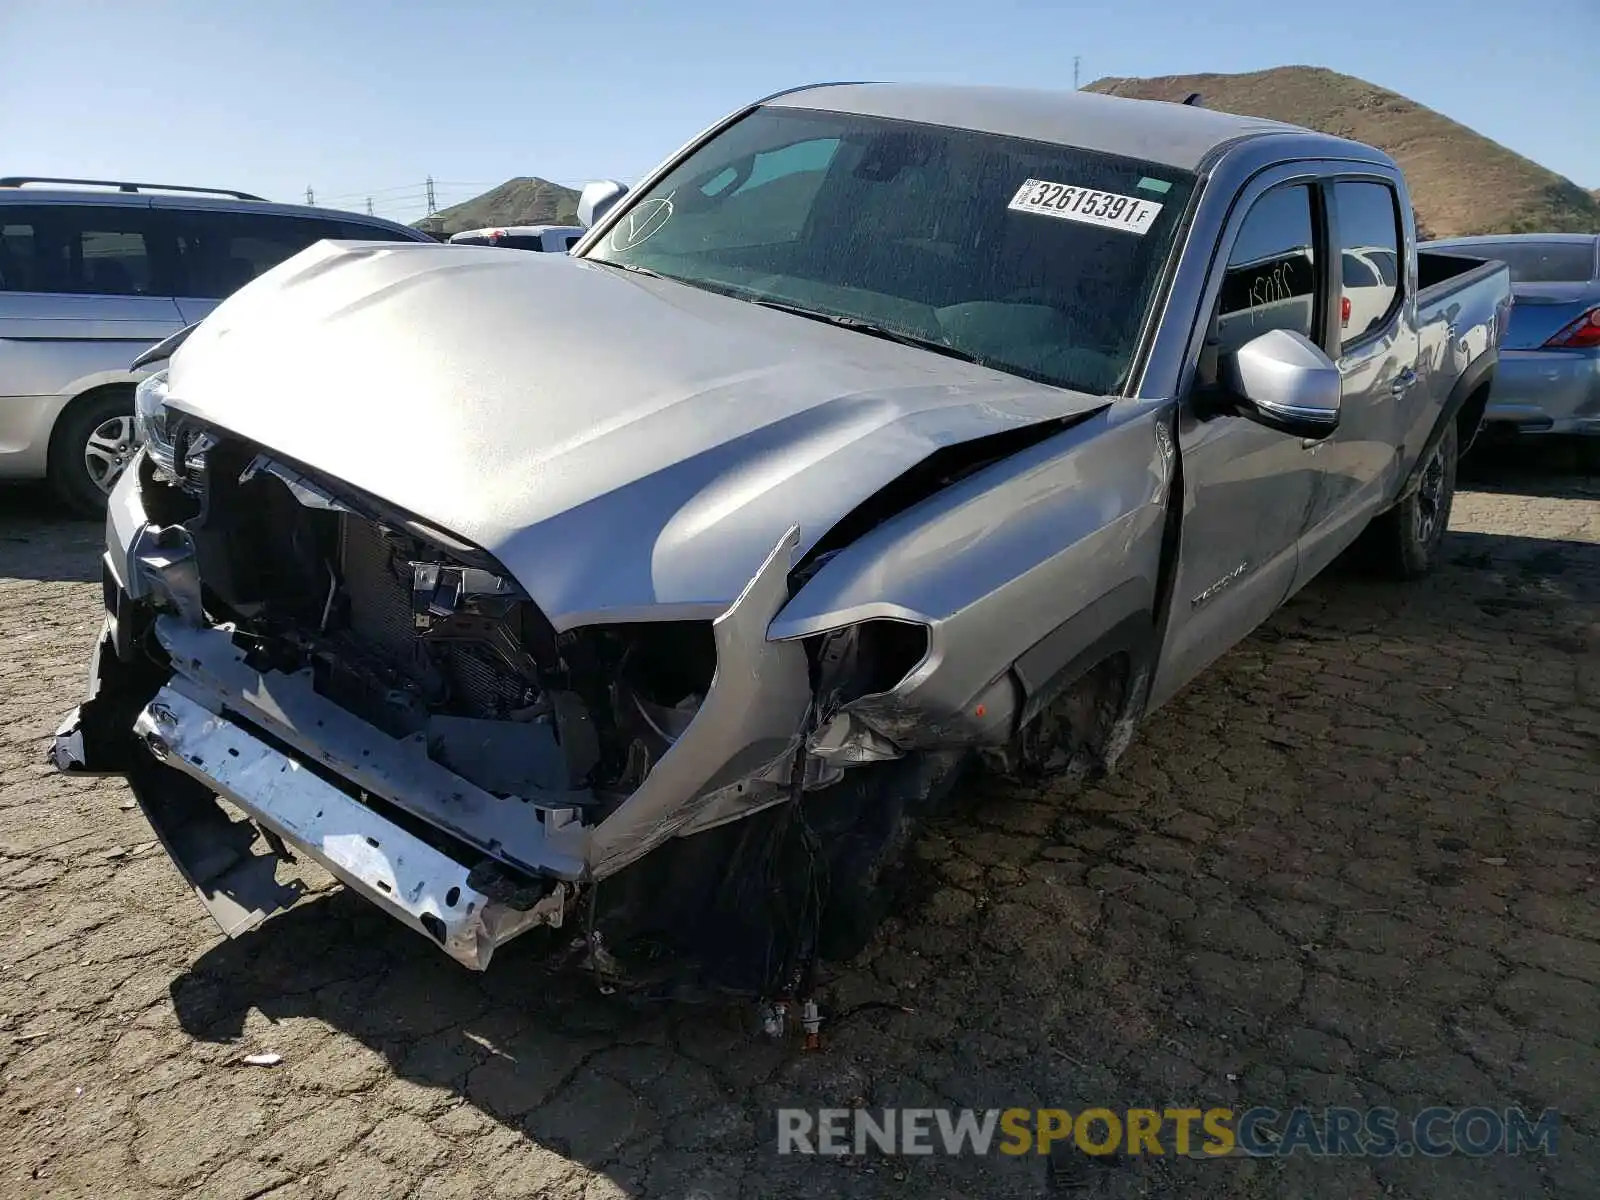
x=412, y=881
x=187, y=716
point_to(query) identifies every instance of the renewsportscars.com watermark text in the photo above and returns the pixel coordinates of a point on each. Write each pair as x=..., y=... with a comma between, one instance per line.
x=1182, y=1132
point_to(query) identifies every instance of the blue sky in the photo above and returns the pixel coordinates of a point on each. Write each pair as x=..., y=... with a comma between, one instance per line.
x=359, y=98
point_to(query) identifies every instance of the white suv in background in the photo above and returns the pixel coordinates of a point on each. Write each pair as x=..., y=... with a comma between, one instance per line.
x=548, y=239
x=91, y=273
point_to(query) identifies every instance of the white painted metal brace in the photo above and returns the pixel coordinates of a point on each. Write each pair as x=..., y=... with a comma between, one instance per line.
x=403, y=875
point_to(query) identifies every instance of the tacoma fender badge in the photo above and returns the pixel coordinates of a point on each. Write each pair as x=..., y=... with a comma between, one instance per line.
x=1220, y=585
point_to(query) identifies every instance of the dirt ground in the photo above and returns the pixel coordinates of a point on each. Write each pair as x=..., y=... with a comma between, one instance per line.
x=1354, y=864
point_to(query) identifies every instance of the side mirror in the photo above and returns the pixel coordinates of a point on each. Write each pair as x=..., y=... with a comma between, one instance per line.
x=597, y=199
x=1283, y=381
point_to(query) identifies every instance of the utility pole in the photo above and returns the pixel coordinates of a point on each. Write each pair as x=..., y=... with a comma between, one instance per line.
x=1076, y=59
x=369, y=206
x=311, y=197
x=432, y=207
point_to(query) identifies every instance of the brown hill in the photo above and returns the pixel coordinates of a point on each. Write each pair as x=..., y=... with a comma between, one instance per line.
x=1461, y=182
x=525, y=200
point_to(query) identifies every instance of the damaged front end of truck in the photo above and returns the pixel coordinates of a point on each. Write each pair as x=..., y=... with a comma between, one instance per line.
x=372, y=694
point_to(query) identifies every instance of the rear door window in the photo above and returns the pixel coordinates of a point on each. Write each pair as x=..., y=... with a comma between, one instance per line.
x=1369, y=233
x=356, y=231
x=223, y=251
x=84, y=250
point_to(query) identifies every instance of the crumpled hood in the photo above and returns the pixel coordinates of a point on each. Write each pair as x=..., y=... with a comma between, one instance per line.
x=619, y=443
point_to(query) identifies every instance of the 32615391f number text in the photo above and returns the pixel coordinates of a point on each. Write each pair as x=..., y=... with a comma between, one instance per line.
x=1087, y=205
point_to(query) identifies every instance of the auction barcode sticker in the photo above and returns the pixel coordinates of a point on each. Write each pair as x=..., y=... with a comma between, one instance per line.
x=1087, y=205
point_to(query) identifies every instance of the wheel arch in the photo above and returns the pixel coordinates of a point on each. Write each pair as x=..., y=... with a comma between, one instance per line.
x=64, y=463
x=1464, y=408
x=84, y=396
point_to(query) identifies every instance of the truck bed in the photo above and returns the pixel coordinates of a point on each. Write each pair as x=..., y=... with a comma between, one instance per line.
x=1463, y=304
x=1440, y=274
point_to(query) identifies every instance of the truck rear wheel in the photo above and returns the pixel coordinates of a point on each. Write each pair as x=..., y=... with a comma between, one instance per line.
x=1404, y=542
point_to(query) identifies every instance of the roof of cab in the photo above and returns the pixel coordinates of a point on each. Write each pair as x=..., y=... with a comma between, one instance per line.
x=1175, y=135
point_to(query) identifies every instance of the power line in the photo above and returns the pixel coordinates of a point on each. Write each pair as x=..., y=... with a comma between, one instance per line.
x=375, y=192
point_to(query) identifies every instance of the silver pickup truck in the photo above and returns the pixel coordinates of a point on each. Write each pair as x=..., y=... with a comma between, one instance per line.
x=882, y=432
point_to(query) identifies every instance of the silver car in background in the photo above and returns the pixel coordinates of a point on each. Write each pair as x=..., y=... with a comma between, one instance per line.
x=1549, y=376
x=91, y=273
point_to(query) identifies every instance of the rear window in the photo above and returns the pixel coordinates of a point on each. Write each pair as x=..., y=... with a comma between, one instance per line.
x=1543, y=262
x=90, y=250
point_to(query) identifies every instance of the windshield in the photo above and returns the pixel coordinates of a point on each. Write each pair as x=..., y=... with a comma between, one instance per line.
x=1035, y=259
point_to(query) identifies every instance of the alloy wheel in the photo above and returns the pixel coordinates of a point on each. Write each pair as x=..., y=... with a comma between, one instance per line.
x=1430, y=497
x=108, y=451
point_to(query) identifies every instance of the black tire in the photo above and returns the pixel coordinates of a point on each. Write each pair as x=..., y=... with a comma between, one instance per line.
x=886, y=805
x=1403, y=543
x=69, y=472
x=1588, y=455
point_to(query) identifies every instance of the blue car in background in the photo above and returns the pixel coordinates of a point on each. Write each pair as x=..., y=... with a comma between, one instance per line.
x=1548, y=380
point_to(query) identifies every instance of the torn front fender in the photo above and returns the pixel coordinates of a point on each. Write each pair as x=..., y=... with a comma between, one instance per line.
x=751, y=720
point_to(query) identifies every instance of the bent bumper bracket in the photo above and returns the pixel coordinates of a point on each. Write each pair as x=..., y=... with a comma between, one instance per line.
x=410, y=880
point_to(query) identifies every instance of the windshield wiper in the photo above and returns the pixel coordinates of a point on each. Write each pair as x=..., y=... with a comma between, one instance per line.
x=622, y=266
x=870, y=328
x=857, y=324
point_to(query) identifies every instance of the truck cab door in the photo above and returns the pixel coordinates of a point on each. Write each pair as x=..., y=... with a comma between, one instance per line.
x=1376, y=354
x=1247, y=489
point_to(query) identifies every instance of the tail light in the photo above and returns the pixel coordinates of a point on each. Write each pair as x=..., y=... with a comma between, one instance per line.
x=1582, y=334
x=1344, y=311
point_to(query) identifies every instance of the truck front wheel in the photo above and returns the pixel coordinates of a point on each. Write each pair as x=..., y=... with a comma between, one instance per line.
x=1404, y=542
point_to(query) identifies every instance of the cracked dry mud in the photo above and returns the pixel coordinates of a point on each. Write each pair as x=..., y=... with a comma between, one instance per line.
x=1355, y=863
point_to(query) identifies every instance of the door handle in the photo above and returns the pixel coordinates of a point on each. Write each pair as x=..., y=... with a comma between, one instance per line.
x=1403, y=382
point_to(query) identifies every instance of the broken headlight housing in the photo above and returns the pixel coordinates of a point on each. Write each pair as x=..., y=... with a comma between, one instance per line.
x=152, y=419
